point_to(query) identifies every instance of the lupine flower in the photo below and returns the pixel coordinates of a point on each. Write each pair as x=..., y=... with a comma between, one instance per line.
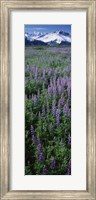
x=59, y=89
x=39, y=148
x=61, y=101
x=51, y=84
x=58, y=112
x=54, y=79
x=53, y=109
x=35, y=78
x=51, y=127
x=69, y=87
x=69, y=113
x=35, y=100
x=69, y=139
x=43, y=73
x=58, y=81
x=49, y=90
x=45, y=171
x=43, y=111
x=67, y=69
x=49, y=72
x=32, y=134
x=58, y=121
x=47, y=106
x=53, y=164
x=40, y=156
x=58, y=118
x=36, y=74
x=54, y=90
x=65, y=109
x=63, y=82
x=54, y=100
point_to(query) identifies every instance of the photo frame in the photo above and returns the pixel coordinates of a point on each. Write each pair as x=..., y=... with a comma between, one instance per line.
x=6, y=7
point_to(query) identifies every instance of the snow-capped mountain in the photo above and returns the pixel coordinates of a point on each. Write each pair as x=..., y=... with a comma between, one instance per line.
x=32, y=36
x=57, y=37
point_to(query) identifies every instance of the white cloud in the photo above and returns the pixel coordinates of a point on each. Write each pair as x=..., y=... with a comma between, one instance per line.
x=38, y=28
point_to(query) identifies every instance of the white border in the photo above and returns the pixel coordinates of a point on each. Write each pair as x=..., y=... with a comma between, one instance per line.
x=77, y=181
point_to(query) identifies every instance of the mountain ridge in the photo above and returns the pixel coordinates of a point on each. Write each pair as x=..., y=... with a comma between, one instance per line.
x=51, y=39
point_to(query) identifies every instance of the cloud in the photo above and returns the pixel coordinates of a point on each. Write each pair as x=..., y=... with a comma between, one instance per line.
x=38, y=28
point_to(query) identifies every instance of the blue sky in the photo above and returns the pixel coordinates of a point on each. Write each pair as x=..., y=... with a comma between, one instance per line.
x=47, y=28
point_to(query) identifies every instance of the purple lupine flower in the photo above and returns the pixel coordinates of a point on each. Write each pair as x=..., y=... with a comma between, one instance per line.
x=58, y=81
x=51, y=127
x=58, y=117
x=67, y=69
x=53, y=164
x=43, y=71
x=35, y=100
x=69, y=87
x=54, y=90
x=39, y=148
x=34, y=70
x=54, y=81
x=65, y=109
x=47, y=106
x=58, y=121
x=58, y=112
x=69, y=139
x=56, y=71
x=43, y=111
x=36, y=74
x=61, y=101
x=49, y=72
x=59, y=89
x=51, y=84
x=69, y=168
x=53, y=109
x=54, y=100
x=40, y=156
x=49, y=90
x=63, y=82
x=45, y=171
x=69, y=91
x=69, y=113
x=32, y=134
x=35, y=78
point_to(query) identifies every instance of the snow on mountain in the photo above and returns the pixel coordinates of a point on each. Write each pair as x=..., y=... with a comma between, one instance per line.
x=57, y=37
x=26, y=34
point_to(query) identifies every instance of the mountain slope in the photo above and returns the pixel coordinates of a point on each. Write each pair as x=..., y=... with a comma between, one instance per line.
x=53, y=38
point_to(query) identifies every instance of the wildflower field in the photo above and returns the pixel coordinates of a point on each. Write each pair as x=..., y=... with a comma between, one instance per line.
x=47, y=110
